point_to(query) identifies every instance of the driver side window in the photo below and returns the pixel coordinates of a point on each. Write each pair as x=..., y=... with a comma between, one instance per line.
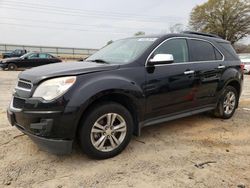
x=177, y=47
x=33, y=56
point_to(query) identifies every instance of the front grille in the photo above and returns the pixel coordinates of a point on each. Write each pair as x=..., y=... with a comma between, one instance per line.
x=18, y=103
x=24, y=85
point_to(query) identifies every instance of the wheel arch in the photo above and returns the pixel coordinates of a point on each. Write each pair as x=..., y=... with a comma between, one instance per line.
x=234, y=83
x=126, y=100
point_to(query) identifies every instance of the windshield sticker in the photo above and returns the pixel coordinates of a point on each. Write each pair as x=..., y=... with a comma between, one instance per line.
x=147, y=39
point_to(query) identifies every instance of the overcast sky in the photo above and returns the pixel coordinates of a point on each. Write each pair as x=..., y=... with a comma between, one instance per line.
x=87, y=23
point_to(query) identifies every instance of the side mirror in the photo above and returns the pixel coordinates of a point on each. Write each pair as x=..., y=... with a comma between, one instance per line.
x=159, y=59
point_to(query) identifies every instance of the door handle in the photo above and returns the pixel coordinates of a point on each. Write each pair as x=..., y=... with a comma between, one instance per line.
x=189, y=72
x=221, y=67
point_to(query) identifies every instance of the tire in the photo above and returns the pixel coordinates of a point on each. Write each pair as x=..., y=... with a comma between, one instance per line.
x=223, y=109
x=12, y=67
x=90, y=133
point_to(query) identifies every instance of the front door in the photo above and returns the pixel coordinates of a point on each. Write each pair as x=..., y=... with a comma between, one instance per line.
x=171, y=87
x=29, y=61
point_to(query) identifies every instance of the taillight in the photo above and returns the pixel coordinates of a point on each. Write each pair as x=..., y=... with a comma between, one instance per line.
x=242, y=67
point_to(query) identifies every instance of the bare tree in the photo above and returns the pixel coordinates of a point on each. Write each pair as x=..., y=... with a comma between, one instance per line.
x=139, y=33
x=242, y=48
x=230, y=19
x=176, y=28
x=109, y=42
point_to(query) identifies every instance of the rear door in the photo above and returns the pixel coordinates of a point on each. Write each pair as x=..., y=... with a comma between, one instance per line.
x=170, y=88
x=44, y=59
x=208, y=66
x=52, y=59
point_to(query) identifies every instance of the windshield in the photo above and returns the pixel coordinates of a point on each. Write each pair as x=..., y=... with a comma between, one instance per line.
x=26, y=55
x=122, y=51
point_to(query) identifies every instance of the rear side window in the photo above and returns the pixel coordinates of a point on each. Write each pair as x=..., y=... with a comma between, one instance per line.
x=228, y=47
x=33, y=56
x=203, y=51
x=43, y=56
x=218, y=54
x=177, y=47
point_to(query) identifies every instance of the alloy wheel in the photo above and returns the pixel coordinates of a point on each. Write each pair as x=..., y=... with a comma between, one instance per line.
x=229, y=103
x=108, y=132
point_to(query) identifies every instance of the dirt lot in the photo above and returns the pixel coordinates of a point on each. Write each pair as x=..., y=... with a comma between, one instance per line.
x=164, y=156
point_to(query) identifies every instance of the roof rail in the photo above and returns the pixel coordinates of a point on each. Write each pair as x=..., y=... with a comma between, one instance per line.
x=202, y=34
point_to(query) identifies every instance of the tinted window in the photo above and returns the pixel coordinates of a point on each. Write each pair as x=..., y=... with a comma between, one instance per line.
x=177, y=47
x=228, y=47
x=218, y=54
x=201, y=51
x=33, y=56
x=43, y=56
x=18, y=52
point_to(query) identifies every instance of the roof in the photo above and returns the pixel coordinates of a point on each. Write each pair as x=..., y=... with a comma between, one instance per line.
x=205, y=36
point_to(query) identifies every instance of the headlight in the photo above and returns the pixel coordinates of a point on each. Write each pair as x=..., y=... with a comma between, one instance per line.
x=54, y=88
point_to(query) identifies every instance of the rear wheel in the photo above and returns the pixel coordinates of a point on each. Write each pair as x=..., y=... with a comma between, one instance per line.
x=228, y=103
x=106, y=130
x=12, y=67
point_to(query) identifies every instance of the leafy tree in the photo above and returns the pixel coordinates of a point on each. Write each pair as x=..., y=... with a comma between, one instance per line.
x=230, y=19
x=139, y=33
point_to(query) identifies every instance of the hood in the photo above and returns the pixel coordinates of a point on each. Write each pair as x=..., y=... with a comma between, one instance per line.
x=37, y=74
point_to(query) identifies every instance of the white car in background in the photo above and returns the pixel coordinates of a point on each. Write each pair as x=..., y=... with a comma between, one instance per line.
x=245, y=59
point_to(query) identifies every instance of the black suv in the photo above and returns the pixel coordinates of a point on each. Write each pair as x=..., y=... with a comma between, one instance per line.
x=127, y=85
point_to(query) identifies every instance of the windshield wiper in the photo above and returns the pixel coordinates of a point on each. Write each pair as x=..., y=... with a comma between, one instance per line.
x=98, y=61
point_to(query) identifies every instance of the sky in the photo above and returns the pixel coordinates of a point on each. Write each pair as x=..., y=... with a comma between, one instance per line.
x=87, y=23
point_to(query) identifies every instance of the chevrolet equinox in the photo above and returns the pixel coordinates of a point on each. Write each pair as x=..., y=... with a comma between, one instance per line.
x=125, y=86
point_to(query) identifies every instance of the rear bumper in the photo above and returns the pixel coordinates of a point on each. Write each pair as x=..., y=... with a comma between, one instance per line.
x=52, y=145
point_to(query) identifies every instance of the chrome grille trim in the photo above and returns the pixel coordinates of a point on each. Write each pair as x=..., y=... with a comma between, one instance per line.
x=22, y=88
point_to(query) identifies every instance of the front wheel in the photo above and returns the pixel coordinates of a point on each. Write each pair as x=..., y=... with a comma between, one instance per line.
x=105, y=130
x=228, y=103
x=12, y=67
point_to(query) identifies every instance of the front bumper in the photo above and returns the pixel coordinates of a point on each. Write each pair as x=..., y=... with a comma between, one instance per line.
x=3, y=65
x=39, y=131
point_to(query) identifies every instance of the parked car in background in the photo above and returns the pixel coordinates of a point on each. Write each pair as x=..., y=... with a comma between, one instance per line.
x=125, y=86
x=15, y=53
x=32, y=59
x=245, y=59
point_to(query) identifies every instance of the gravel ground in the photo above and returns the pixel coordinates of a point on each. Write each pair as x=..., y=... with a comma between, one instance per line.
x=168, y=155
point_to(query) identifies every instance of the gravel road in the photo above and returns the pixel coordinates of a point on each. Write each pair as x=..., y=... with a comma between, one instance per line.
x=167, y=155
